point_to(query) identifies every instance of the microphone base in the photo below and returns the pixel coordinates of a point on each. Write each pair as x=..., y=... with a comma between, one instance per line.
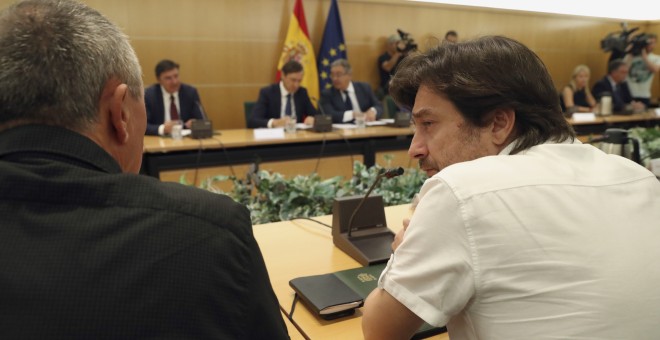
x=322, y=123
x=370, y=241
x=367, y=250
x=201, y=129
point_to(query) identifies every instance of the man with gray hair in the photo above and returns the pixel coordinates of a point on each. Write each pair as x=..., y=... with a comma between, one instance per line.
x=89, y=249
x=347, y=98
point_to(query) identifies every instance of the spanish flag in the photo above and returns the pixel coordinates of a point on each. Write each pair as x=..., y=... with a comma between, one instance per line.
x=298, y=46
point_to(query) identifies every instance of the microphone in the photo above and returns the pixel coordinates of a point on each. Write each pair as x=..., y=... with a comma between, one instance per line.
x=201, y=110
x=322, y=122
x=203, y=128
x=391, y=173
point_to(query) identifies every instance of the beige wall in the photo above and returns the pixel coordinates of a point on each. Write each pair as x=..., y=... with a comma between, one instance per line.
x=228, y=49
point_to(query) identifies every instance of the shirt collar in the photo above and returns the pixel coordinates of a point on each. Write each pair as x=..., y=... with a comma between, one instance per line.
x=507, y=150
x=283, y=90
x=167, y=94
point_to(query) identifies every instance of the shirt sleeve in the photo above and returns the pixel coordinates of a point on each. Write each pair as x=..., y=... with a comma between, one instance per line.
x=432, y=271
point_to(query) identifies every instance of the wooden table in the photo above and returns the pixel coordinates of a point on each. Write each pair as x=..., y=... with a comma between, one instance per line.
x=241, y=147
x=601, y=123
x=301, y=247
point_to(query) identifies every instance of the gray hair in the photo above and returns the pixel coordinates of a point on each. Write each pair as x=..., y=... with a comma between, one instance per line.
x=55, y=58
x=343, y=63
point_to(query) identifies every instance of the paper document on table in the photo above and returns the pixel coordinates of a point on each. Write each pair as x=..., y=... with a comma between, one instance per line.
x=657, y=112
x=186, y=132
x=584, y=117
x=378, y=122
x=275, y=133
x=343, y=126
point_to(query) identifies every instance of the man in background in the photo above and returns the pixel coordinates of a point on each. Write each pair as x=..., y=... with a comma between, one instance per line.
x=388, y=61
x=642, y=69
x=521, y=231
x=347, y=97
x=277, y=103
x=451, y=37
x=170, y=102
x=614, y=84
x=89, y=249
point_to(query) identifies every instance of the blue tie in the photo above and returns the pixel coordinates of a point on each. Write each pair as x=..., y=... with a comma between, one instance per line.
x=287, y=107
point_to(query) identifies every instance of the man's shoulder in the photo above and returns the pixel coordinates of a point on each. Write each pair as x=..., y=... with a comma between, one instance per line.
x=271, y=88
x=199, y=207
x=152, y=90
x=187, y=88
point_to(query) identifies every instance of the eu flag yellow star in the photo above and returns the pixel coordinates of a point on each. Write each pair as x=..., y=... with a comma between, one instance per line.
x=324, y=75
x=326, y=62
x=333, y=52
x=342, y=47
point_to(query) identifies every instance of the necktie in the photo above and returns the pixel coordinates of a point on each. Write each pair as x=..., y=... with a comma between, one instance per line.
x=287, y=107
x=348, y=106
x=616, y=97
x=174, y=113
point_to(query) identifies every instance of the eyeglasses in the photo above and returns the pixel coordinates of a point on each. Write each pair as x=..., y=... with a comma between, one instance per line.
x=337, y=75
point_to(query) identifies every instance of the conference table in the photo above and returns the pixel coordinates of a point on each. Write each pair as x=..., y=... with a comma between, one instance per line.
x=245, y=146
x=302, y=247
x=300, y=151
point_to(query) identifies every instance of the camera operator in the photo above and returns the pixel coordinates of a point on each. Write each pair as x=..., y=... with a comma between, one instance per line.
x=643, y=66
x=388, y=62
x=397, y=47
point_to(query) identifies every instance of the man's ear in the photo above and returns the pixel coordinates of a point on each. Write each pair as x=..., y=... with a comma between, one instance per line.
x=503, y=126
x=119, y=117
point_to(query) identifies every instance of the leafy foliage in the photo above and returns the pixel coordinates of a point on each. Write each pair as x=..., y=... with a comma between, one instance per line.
x=649, y=141
x=271, y=197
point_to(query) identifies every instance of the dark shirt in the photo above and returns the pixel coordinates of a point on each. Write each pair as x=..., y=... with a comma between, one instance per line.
x=89, y=252
x=384, y=75
x=620, y=95
x=580, y=98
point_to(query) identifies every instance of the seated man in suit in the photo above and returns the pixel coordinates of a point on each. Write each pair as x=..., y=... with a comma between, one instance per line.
x=614, y=84
x=90, y=248
x=170, y=101
x=278, y=102
x=346, y=96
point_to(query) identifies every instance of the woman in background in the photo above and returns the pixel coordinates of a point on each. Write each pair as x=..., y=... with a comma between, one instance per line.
x=576, y=95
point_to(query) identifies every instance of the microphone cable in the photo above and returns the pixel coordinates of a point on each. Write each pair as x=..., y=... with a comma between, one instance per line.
x=311, y=219
x=224, y=150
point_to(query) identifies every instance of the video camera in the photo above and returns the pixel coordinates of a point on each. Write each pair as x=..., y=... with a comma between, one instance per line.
x=409, y=43
x=619, y=41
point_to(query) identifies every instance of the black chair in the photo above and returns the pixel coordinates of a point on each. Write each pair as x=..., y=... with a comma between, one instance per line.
x=247, y=106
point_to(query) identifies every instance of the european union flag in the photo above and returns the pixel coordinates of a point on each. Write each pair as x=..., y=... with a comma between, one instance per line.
x=333, y=46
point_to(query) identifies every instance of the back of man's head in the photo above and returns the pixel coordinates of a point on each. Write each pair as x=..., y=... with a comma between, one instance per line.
x=55, y=58
x=292, y=66
x=483, y=75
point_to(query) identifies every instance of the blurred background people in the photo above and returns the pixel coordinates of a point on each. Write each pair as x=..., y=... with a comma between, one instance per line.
x=387, y=63
x=347, y=97
x=277, y=103
x=615, y=85
x=576, y=95
x=170, y=101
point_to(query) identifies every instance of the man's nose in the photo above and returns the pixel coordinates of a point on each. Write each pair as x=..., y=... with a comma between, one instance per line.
x=417, y=147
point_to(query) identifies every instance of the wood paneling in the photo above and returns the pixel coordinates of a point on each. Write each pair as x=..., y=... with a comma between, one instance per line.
x=229, y=48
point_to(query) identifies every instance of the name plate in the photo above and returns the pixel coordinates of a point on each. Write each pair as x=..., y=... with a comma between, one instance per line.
x=584, y=117
x=275, y=133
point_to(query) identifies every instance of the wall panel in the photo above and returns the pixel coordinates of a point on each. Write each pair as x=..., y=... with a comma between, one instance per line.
x=229, y=48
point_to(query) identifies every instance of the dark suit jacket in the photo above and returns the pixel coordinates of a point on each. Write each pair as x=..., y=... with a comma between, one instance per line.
x=189, y=104
x=269, y=106
x=88, y=252
x=604, y=85
x=333, y=104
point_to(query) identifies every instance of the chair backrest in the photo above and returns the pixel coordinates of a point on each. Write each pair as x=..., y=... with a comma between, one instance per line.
x=390, y=107
x=248, y=111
